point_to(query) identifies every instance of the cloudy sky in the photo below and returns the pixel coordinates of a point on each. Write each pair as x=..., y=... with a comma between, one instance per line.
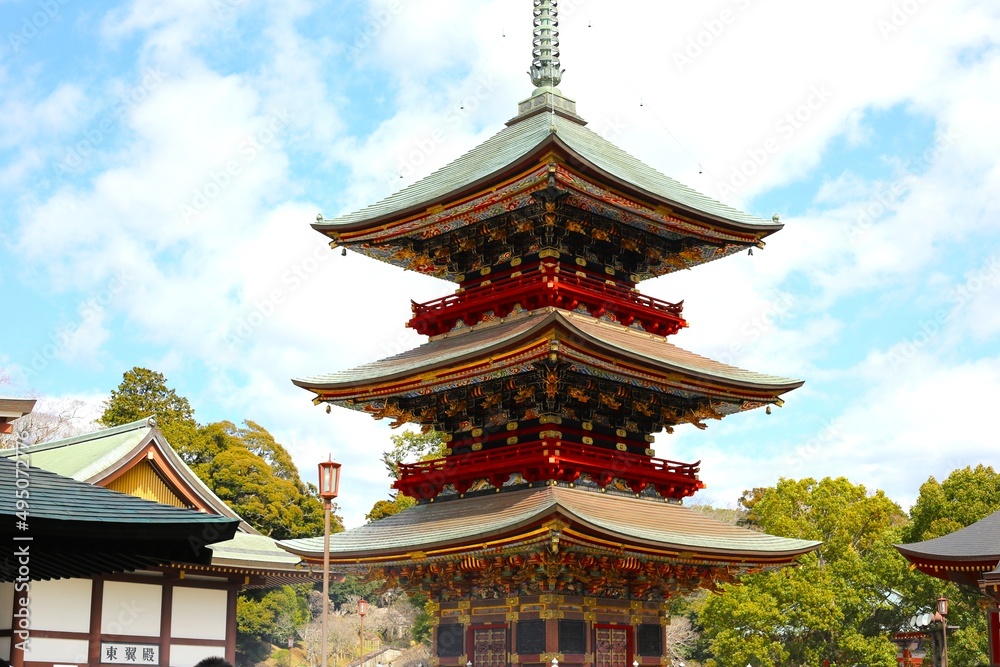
x=161, y=160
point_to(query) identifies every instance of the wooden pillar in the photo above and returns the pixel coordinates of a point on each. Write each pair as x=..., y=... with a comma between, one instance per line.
x=96, y=612
x=234, y=592
x=20, y=612
x=993, y=623
x=166, y=617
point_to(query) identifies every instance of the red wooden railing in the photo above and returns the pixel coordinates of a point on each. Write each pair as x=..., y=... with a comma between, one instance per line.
x=548, y=288
x=548, y=460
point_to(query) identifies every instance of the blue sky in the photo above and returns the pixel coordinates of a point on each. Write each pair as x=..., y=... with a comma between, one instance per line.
x=161, y=161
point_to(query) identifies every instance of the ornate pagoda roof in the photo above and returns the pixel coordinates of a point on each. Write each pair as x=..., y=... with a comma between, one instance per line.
x=520, y=145
x=478, y=524
x=649, y=352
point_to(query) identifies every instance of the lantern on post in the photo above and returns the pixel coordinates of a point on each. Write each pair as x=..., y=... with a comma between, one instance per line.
x=329, y=487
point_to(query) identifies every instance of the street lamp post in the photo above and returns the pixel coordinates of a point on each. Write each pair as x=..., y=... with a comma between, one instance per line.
x=329, y=486
x=362, y=610
x=942, y=616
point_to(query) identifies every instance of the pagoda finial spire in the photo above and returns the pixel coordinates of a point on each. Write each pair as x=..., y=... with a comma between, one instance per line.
x=545, y=68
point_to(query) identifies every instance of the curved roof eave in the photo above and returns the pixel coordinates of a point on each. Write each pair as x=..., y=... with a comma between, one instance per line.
x=407, y=529
x=576, y=146
x=563, y=319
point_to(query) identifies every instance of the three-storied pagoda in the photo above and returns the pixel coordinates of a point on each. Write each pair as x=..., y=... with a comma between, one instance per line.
x=549, y=529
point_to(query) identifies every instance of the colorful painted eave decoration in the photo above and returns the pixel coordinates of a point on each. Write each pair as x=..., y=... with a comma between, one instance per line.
x=554, y=334
x=390, y=241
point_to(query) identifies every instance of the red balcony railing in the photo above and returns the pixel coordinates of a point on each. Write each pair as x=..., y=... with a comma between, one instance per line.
x=548, y=460
x=548, y=288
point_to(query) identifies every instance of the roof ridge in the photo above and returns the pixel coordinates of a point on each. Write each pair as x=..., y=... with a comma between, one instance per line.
x=146, y=422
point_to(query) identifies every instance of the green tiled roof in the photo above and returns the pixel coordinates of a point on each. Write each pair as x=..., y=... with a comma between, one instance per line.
x=523, y=138
x=623, y=520
x=102, y=450
x=93, y=456
x=251, y=550
x=482, y=339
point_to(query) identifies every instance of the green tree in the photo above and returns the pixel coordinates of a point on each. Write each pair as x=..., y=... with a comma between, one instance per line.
x=276, y=503
x=838, y=604
x=966, y=496
x=407, y=447
x=144, y=393
x=266, y=617
x=410, y=446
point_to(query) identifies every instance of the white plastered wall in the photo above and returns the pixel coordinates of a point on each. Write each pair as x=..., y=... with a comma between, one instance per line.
x=198, y=613
x=62, y=605
x=131, y=609
x=65, y=651
x=188, y=656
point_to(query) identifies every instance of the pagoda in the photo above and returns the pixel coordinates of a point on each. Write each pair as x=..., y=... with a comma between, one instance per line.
x=549, y=529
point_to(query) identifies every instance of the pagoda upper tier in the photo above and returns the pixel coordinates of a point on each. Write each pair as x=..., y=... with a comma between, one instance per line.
x=546, y=395
x=546, y=186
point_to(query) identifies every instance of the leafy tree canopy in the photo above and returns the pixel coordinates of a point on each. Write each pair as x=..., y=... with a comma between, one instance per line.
x=838, y=604
x=243, y=465
x=407, y=447
x=144, y=393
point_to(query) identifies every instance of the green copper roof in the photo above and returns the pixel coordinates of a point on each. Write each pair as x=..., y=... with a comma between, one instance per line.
x=624, y=520
x=86, y=456
x=521, y=139
x=481, y=339
x=251, y=550
x=94, y=456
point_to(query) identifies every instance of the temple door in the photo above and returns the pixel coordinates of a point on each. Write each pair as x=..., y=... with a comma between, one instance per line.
x=612, y=646
x=489, y=646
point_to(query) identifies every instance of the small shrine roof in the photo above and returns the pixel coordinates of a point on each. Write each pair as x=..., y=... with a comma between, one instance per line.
x=77, y=529
x=977, y=542
x=93, y=457
x=470, y=522
x=466, y=344
x=520, y=143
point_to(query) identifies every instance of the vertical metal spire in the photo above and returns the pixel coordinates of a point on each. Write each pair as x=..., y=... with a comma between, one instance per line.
x=545, y=68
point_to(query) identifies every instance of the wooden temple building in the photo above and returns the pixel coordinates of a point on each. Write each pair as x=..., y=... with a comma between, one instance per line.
x=107, y=598
x=549, y=529
x=969, y=557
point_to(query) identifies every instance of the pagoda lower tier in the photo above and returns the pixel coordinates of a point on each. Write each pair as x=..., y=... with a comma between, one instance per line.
x=549, y=395
x=520, y=578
